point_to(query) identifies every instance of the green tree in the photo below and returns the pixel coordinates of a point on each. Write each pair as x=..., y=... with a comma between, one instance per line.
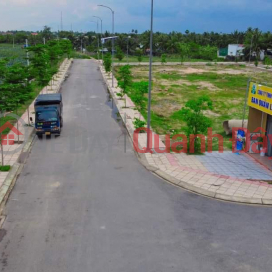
x=46, y=33
x=184, y=50
x=66, y=47
x=197, y=123
x=267, y=62
x=254, y=43
x=208, y=52
x=125, y=78
x=119, y=54
x=107, y=62
x=163, y=58
x=40, y=64
x=54, y=51
x=139, y=54
x=15, y=87
x=137, y=93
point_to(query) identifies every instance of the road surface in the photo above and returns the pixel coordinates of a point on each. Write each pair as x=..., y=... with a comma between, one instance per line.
x=84, y=204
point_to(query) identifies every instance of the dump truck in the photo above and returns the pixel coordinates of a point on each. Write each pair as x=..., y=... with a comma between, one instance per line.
x=48, y=114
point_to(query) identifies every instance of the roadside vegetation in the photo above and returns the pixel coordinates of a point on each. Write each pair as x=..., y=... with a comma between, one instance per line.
x=20, y=84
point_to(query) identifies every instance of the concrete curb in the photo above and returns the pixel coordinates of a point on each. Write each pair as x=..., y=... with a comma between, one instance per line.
x=210, y=194
x=8, y=185
x=178, y=63
x=184, y=184
x=16, y=169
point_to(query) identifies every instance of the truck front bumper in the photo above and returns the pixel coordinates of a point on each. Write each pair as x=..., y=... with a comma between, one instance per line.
x=45, y=131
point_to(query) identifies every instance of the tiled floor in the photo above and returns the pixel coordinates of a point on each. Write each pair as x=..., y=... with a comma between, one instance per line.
x=233, y=165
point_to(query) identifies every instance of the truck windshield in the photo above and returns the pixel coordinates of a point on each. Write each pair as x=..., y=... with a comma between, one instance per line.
x=47, y=116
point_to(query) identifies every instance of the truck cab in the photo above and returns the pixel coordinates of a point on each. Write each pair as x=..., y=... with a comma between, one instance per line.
x=48, y=114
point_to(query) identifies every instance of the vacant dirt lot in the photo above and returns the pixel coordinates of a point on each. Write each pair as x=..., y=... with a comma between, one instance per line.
x=173, y=86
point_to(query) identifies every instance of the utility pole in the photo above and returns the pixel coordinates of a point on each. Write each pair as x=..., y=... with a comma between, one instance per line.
x=150, y=80
x=44, y=41
x=101, y=35
x=127, y=46
x=61, y=23
x=112, y=12
x=27, y=54
x=97, y=38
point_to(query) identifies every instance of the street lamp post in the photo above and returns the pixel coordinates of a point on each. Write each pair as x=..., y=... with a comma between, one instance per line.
x=112, y=41
x=97, y=39
x=27, y=53
x=150, y=79
x=101, y=35
x=127, y=46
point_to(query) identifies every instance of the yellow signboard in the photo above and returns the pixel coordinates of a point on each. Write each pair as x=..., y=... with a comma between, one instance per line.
x=260, y=98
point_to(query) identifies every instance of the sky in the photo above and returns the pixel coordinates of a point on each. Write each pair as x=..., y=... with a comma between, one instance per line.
x=172, y=15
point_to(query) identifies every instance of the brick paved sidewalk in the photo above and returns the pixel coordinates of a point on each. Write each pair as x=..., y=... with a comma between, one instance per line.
x=226, y=176
x=12, y=151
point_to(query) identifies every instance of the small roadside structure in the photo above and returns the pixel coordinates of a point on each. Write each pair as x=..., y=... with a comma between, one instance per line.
x=260, y=115
x=235, y=50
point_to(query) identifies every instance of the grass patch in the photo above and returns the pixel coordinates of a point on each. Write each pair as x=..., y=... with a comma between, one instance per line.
x=77, y=55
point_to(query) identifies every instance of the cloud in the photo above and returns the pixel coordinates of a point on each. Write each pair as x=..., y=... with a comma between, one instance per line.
x=174, y=15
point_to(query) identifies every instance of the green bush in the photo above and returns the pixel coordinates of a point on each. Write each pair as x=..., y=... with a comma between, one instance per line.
x=139, y=54
x=193, y=115
x=4, y=168
x=107, y=62
x=119, y=53
x=139, y=124
x=76, y=55
x=137, y=92
x=267, y=61
x=141, y=86
x=163, y=58
x=125, y=78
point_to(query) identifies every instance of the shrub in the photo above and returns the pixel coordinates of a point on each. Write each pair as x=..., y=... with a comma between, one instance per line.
x=139, y=54
x=141, y=86
x=119, y=54
x=125, y=78
x=5, y=168
x=163, y=58
x=267, y=61
x=107, y=62
x=195, y=120
x=139, y=124
x=137, y=92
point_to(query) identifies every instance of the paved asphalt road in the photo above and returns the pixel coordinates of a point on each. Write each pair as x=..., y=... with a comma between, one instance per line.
x=82, y=204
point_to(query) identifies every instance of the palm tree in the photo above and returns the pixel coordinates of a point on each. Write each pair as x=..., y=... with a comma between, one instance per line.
x=254, y=42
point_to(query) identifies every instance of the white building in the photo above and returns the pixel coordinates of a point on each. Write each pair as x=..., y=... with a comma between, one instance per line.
x=235, y=50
